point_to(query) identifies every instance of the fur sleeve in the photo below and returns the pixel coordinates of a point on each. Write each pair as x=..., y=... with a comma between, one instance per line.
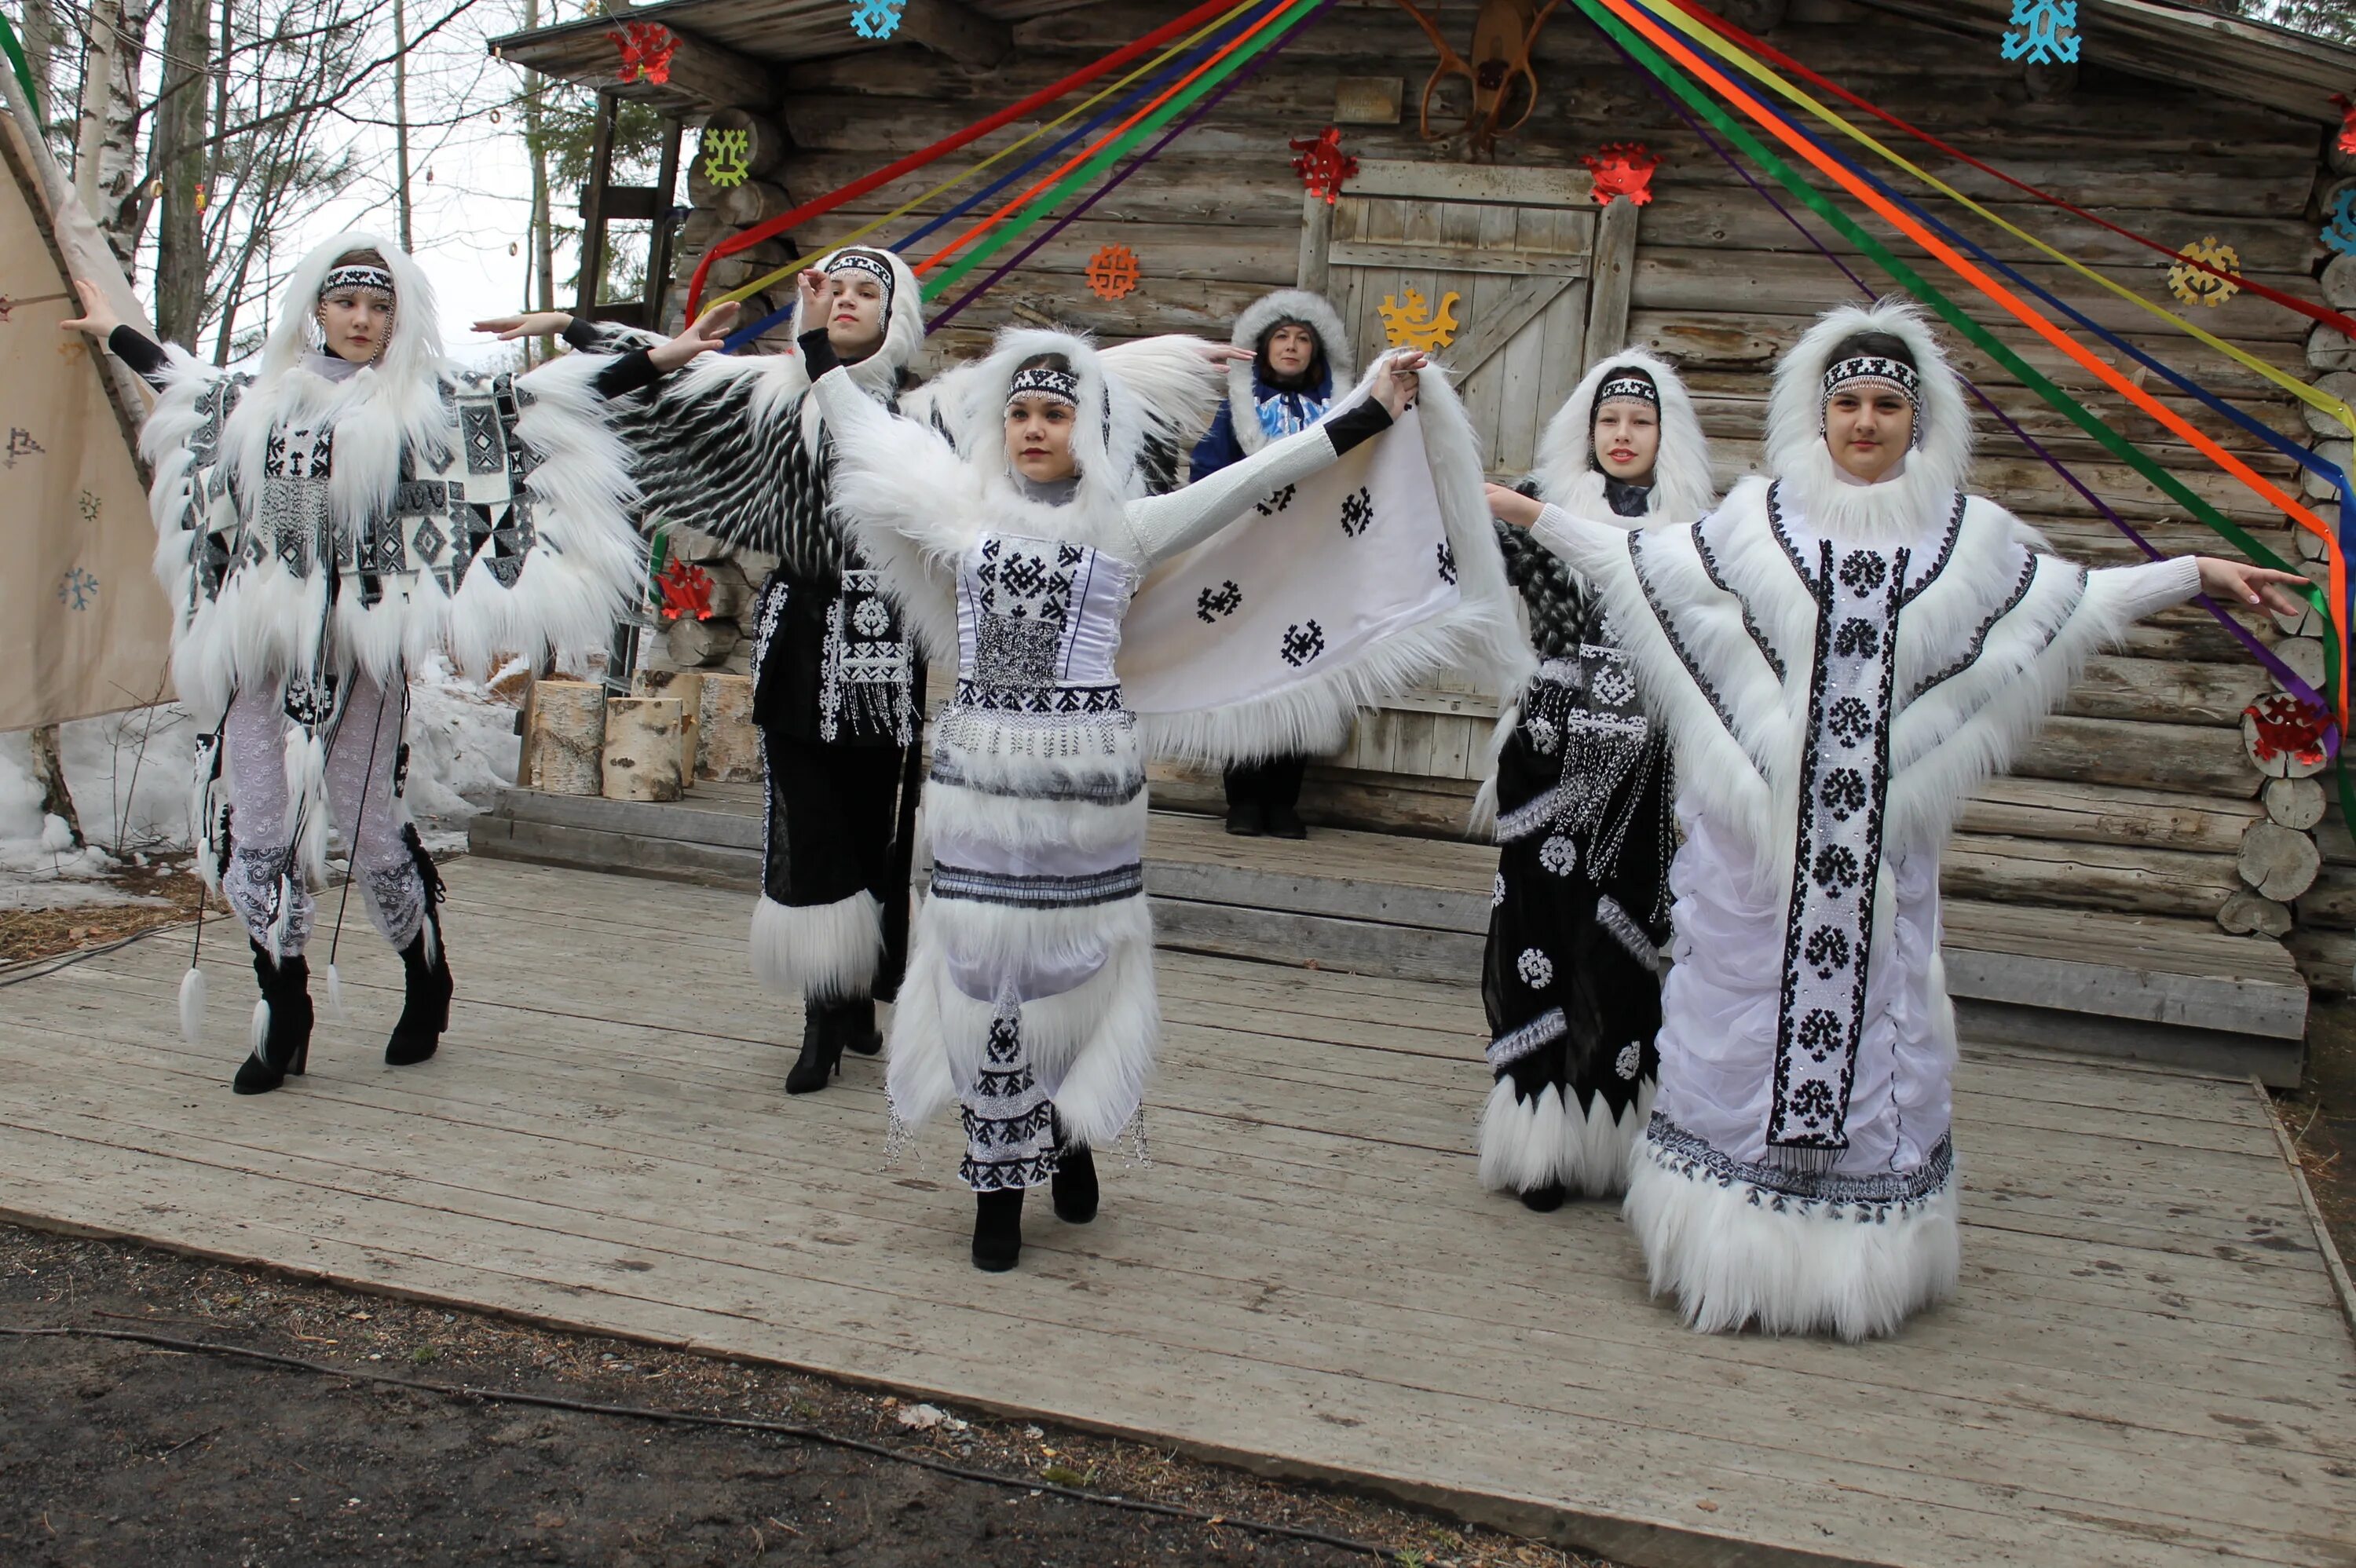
x=719, y=450
x=908, y=501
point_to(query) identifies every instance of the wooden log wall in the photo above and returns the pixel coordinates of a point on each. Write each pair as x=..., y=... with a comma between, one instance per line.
x=2140, y=796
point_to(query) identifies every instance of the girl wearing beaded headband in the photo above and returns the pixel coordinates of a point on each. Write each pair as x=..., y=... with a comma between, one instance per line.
x=1031, y=553
x=1293, y=355
x=736, y=448
x=354, y=505
x=1842, y=652
x=1570, y=975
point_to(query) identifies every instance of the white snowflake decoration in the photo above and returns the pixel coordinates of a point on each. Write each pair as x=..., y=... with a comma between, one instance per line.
x=1560, y=855
x=1537, y=969
x=1612, y=686
x=876, y=18
x=1497, y=890
x=1632, y=1056
x=871, y=619
x=1544, y=736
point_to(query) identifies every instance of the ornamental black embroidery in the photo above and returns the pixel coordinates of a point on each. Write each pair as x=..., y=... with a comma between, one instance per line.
x=1357, y=513
x=1213, y=604
x=1276, y=503
x=1447, y=563
x=1303, y=643
x=1828, y=927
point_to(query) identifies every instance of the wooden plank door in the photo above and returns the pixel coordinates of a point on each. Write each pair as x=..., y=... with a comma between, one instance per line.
x=1540, y=276
x=1533, y=273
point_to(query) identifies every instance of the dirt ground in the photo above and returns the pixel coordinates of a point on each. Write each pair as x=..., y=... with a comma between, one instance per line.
x=115, y=1453
x=32, y=934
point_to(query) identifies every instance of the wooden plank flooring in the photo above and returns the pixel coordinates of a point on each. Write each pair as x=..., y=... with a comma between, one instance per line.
x=2146, y=1365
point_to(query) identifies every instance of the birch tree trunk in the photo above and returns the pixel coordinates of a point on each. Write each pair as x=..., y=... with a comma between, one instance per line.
x=106, y=156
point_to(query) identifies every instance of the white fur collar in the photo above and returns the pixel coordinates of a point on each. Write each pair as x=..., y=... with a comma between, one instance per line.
x=1318, y=315
x=1567, y=476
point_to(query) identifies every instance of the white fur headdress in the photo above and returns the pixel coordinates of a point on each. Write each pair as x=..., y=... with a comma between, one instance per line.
x=1313, y=310
x=1156, y=389
x=1937, y=466
x=1567, y=471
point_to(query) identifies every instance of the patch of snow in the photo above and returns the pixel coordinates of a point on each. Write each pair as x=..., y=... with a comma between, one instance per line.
x=131, y=774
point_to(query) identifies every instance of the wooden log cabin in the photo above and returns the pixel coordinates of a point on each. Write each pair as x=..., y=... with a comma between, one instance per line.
x=2140, y=823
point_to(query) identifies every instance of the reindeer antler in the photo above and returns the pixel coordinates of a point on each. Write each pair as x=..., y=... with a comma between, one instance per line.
x=1451, y=64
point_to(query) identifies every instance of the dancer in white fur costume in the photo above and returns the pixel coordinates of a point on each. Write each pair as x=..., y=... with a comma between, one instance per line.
x=355, y=504
x=1571, y=973
x=1030, y=996
x=1842, y=652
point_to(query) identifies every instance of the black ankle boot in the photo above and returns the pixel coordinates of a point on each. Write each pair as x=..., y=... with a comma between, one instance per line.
x=425, y=1014
x=1075, y=1184
x=822, y=1056
x=856, y=1021
x=1545, y=1200
x=997, y=1229
x=283, y=1026
x=1284, y=822
x=1246, y=818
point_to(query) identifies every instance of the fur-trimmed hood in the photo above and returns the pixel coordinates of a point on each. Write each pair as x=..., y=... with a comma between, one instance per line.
x=1934, y=469
x=1155, y=389
x=1567, y=471
x=779, y=378
x=1311, y=310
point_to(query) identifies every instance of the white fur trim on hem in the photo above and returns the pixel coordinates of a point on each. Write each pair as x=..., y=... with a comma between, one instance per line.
x=1528, y=1144
x=1733, y=1258
x=822, y=951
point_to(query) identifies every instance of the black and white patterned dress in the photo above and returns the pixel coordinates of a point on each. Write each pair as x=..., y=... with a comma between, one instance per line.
x=1571, y=977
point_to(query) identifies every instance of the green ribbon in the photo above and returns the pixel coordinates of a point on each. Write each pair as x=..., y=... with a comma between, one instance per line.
x=24, y=72
x=2078, y=414
x=1126, y=143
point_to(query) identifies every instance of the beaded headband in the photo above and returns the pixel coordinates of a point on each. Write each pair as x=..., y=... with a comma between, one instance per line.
x=356, y=276
x=1640, y=388
x=1874, y=370
x=869, y=262
x=1046, y=382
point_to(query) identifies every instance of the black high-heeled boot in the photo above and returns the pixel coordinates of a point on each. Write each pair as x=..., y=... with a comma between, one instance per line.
x=281, y=1025
x=822, y=1056
x=1075, y=1184
x=997, y=1229
x=425, y=1011
x=857, y=1022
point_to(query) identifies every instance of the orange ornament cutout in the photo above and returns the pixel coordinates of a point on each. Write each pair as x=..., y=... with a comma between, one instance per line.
x=1113, y=271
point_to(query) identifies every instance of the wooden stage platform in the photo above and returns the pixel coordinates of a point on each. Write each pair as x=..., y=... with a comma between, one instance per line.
x=2148, y=1365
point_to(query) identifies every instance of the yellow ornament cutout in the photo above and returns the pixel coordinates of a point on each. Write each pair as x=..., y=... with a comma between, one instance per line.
x=2194, y=286
x=727, y=157
x=1416, y=325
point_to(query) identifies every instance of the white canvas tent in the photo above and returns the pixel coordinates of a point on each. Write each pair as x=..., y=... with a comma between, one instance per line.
x=84, y=628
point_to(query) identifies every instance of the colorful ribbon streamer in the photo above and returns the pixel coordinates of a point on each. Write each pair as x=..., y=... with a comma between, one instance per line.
x=1161, y=63
x=1625, y=22
x=2339, y=322
x=1165, y=106
x=1234, y=81
x=949, y=144
x=2264, y=656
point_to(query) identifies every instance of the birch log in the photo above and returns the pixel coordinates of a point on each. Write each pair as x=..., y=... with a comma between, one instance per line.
x=686, y=687
x=731, y=746
x=642, y=748
x=567, y=740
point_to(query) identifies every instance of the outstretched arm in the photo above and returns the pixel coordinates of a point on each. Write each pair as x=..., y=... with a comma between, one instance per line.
x=889, y=475
x=143, y=354
x=1587, y=546
x=1165, y=525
